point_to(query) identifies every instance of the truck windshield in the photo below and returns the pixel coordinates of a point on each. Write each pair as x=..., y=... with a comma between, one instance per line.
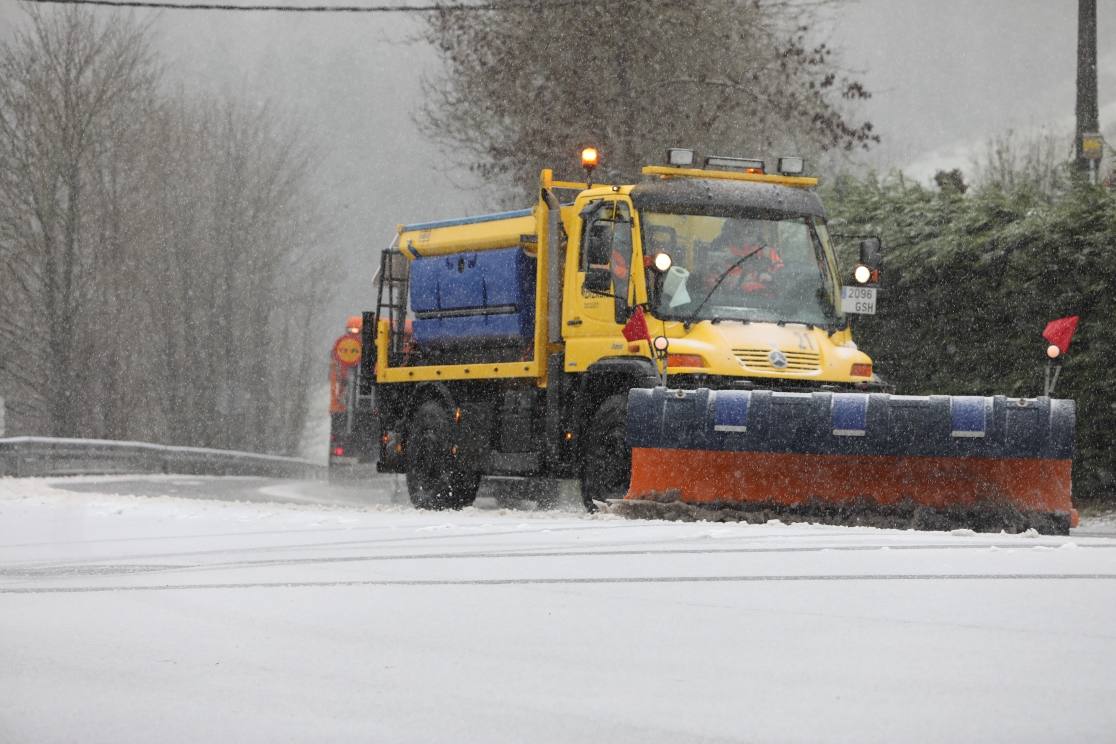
x=739, y=268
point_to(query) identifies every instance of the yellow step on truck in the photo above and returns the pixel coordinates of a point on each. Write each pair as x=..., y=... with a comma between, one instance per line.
x=505, y=345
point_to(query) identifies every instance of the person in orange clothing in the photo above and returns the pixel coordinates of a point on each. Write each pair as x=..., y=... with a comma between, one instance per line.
x=742, y=241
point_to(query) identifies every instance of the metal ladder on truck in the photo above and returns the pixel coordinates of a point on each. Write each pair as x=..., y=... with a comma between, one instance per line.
x=391, y=305
x=391, y=300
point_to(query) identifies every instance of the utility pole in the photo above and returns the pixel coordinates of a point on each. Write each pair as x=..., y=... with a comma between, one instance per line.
x=1089, y=144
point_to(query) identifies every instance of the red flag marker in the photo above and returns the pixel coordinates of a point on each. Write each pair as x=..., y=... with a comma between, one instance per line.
x=1060, y=332
x=636, y=327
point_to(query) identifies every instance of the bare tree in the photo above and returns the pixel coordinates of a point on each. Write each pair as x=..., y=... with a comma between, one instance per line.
x=235, y=288
x=1039, y=161
x=523, y=84
x=60, y=81
x=161, y=270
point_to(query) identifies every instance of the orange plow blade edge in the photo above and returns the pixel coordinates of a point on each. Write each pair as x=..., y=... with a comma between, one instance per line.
x=934, y=462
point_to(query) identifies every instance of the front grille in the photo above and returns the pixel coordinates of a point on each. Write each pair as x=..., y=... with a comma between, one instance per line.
x=798, y=362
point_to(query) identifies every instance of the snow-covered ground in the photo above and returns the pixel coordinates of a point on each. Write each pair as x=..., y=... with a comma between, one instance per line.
x=295, y=612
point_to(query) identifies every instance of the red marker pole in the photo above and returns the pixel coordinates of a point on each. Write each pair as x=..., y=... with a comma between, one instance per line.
x=1052, y=370
x=636, y=330
x=1059, y=333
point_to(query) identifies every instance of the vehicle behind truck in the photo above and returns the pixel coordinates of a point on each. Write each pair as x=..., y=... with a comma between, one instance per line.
x=353, y=442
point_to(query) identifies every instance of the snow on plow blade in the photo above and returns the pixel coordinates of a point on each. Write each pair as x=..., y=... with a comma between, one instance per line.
x=936, y=462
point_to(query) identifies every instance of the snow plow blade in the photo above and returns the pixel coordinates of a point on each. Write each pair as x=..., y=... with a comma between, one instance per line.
x=935, y=462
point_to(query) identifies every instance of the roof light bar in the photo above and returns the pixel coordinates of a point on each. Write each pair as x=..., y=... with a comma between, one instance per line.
x=747, y=165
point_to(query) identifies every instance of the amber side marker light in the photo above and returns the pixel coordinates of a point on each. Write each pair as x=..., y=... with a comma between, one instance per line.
x=685, y=360
x=861, y=370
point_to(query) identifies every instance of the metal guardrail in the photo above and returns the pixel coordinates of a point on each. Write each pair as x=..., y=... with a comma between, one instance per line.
x=43, y=456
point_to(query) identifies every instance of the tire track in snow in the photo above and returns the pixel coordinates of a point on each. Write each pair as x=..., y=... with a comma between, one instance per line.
x=565, y=581
x=371, y=541
x=53, y=570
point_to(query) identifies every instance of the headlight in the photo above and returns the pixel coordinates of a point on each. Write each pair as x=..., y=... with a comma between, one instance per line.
x=862, y=274
x=662, y=262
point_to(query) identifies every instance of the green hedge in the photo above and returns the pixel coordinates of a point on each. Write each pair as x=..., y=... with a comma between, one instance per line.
x=970, y=282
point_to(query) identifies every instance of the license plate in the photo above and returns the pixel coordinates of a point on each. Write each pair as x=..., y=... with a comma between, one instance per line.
x=858, y=300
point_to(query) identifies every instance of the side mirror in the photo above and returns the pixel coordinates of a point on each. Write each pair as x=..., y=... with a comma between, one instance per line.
x=598, y=279
x=871, y=252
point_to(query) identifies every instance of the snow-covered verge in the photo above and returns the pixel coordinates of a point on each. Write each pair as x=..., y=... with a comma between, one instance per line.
x=128, y=619
x=1095, y=521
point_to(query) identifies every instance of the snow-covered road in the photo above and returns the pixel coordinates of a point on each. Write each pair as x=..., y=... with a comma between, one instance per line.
x=297, y=612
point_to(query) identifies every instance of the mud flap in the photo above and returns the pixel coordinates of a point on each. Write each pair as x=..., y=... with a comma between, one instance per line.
x=933, y=462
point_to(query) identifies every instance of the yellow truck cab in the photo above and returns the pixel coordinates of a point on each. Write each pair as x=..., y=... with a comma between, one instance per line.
x=763, y=324
x=505, y=345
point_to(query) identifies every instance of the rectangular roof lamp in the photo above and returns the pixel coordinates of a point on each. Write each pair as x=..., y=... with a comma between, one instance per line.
x=792, y=166
x=680, y=157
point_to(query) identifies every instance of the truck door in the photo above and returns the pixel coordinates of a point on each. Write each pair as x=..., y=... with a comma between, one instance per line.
x=602, y=282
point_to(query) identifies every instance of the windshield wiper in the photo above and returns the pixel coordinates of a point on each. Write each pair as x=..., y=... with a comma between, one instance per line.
x=690, y=321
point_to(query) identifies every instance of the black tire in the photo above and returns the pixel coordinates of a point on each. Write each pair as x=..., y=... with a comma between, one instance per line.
x=465, y=487
x=606, y=468
x=433, y=482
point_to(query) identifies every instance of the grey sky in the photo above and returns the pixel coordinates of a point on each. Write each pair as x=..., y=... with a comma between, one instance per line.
x=946, y=76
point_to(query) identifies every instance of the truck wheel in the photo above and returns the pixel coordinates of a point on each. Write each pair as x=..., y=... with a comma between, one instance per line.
x=607, y=461
x=465, y=487
x=432, y=480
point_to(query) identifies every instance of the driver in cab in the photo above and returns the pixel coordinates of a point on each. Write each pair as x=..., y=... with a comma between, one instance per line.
x=740, y=258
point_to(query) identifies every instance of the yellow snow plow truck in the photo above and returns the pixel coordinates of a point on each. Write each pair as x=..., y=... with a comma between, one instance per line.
x=682, y=347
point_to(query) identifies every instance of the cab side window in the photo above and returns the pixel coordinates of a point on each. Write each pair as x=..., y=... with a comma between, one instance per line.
x=606, y=249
